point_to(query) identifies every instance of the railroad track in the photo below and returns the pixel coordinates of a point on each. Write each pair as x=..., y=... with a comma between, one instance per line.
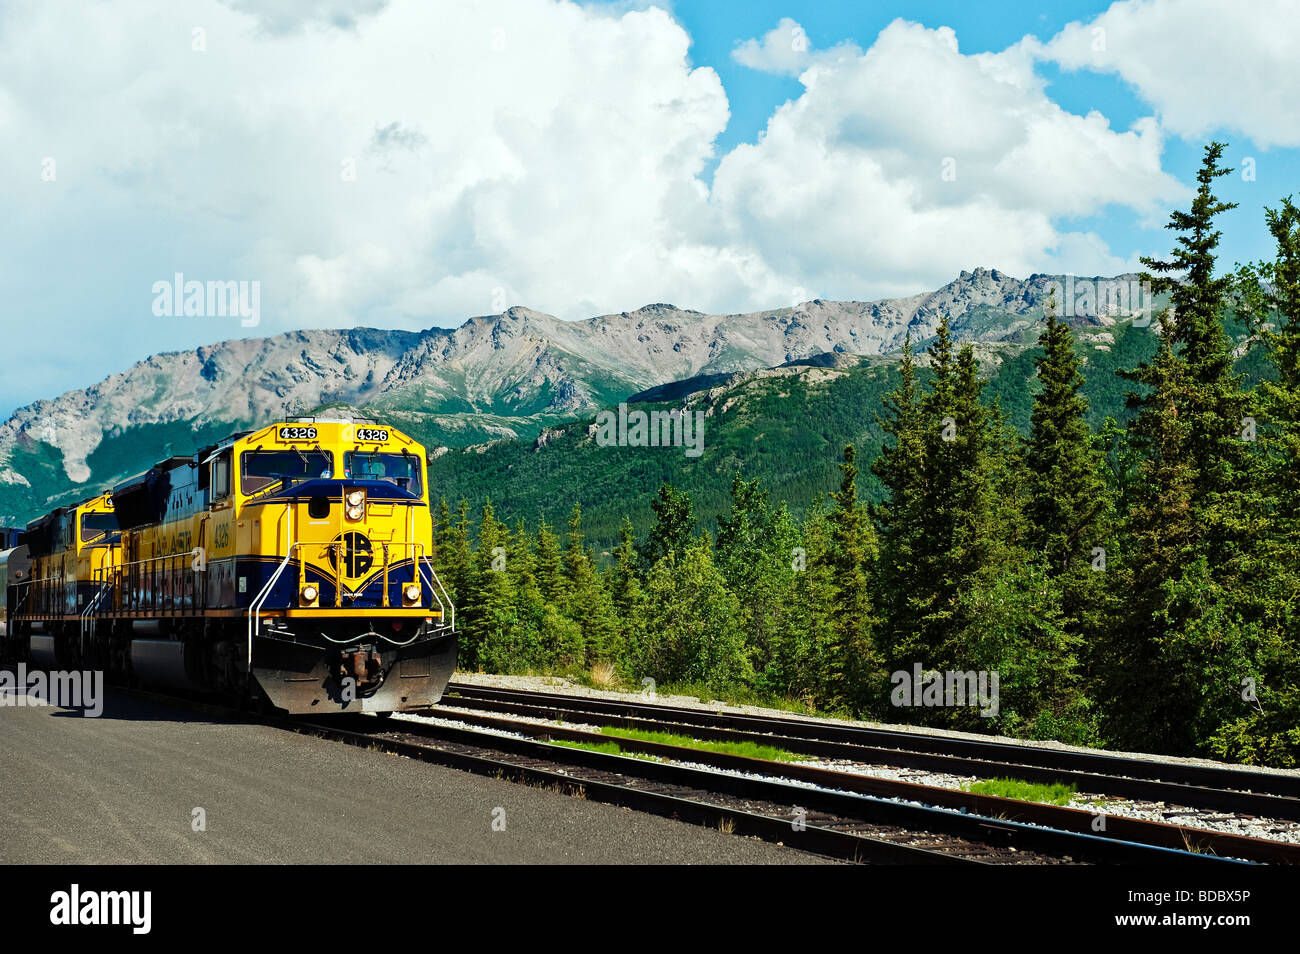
x=856, y=826
x=1236, y=791
x=844, y=824
x=1166, y=835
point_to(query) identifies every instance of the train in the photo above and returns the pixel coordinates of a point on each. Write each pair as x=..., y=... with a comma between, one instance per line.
x=289, y=567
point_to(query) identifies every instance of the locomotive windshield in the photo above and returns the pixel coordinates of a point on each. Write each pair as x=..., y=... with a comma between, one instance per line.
x=262, y=469
x=404, y=470
x=95, y=525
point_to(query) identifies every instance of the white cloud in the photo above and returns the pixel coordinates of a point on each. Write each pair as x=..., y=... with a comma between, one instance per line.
x=282, y=16
x=541, y=150
x=784, y=49
x=787, y=50
x=899, y=167
x=1203, y=64
x=409, y=164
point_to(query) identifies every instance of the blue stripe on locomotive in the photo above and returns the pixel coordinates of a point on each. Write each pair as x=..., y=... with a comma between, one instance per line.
x=256, y=572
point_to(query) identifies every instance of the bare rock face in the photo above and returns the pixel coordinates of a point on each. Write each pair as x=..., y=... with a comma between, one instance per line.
x=519, y=362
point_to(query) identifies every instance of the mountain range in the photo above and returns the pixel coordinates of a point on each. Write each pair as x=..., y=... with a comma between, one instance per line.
x=502, y=381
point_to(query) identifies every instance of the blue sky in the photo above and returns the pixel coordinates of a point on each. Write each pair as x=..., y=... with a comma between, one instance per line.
x=397, y=163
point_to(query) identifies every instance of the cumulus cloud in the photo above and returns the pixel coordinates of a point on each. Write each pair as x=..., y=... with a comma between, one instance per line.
x=783, y=49
x=904, y=163
x=283, y=16
x=1203, y=64
x=787, y=50
x=410, y=164
x=414, y=164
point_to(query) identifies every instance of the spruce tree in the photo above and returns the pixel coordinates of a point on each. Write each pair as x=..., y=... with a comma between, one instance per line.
x=551, y=578
x=1266, y=729
x=856, y=676
x=805, y=651
x=674, y=525
x=488, y=637
x=627, y=596
x=1215, y=406
x=755, y=551
x=455, y=555
x=1280, y=396
x=902, y=468
x=588, y=603
x=1067, y=503
x=1196, y=516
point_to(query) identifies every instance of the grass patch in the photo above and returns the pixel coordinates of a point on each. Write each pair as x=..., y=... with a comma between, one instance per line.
x=749, y=750
x=609, y=748
x=1055, y=794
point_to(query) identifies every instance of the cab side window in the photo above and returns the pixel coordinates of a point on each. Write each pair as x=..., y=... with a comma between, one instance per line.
x=221, y=477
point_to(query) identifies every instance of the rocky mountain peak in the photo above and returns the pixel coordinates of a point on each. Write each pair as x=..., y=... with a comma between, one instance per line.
x=520, y=362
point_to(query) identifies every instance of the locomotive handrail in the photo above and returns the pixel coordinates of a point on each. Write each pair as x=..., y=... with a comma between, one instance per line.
x=41, y=592
x=26, y=593
x=173, y=561
x=91, y=606
x=434, y=586
x=255, y=607
x=47, y=579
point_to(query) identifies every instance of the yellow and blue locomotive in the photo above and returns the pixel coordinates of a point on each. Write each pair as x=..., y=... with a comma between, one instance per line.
x=291, y=564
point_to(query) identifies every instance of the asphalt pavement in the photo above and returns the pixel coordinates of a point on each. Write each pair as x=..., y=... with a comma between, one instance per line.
x=153, y=783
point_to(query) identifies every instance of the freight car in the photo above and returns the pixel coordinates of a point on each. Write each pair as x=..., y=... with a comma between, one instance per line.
x=290, y=566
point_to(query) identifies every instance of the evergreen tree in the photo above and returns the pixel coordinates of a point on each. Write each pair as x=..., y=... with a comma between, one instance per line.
x=588, y=603
x=1214, y=405
x=965, y=542
x=1191, y=622
x=1067, y=503
x=489, y=637
x=442, y=533
x=692, y=627
x=1266, y=729
x=805, y=650
x=455, y=554
x=856, y=676
x=674, y=525
x=1280, y=397
x=627, y=595
x=529, y=606
x=755, y=553
x=551, y=578
x=902, y=468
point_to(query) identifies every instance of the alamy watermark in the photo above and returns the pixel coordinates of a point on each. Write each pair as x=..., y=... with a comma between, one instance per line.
x=74, y=907
x=67, y=690
x=931, y=688
x=214, y=299
x=675, y=428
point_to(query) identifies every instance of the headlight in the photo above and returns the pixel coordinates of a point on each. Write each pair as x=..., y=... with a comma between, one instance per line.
x=309, y=593
x=411, y=593
x=356, y=512
x=356, y=498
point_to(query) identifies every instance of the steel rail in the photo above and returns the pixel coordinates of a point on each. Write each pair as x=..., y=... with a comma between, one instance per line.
x=1260, y=794
x=1163, y=834
x=863, y=809
x=363, y=731
x=813, y=838
x=1017, y=835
